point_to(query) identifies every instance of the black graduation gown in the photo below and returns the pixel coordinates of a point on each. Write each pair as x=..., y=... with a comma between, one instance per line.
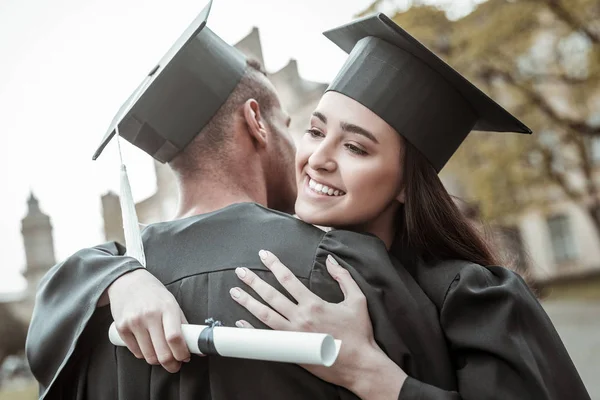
x=502, y=342
x=70, y=355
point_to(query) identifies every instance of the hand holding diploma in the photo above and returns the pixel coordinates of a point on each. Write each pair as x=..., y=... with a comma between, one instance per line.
x=256, y=344
x=148, y=319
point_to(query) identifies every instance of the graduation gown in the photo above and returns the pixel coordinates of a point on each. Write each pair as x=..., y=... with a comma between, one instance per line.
x=503, y=344
x=70, y=355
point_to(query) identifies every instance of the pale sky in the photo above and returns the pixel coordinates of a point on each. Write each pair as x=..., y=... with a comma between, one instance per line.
x=66, y=66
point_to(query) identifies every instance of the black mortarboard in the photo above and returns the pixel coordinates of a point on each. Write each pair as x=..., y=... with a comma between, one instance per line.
x=180, y=94
x=419, y=95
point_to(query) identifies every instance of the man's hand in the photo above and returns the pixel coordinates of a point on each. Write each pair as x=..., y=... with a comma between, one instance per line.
x=148, y=319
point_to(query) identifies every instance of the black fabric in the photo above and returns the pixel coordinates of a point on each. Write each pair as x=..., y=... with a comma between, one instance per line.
x=413, y=389
x=206, y=341
x=195, y=258
x=486, y=336
x=402, y=323
x=55, y=329
x=503, y=344
x=415, y=92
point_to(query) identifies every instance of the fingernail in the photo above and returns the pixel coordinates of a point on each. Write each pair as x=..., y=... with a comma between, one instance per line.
x=239, y=324
x=332, y=260
x=235, y=293
x=187, y=360
x=263, y=254
x=240, y=272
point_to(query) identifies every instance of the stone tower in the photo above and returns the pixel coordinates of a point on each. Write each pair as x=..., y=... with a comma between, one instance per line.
x=37, y=238
x=250, y=45
x=36, y=229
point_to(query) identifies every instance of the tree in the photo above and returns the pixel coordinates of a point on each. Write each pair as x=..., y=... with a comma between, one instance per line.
x=541, y=60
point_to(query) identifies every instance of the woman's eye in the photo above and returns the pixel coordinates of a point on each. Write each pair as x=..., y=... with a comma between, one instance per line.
x=356, y=150
x=315, y=133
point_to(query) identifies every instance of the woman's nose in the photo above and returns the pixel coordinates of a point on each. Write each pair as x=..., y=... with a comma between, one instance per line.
x=322, y=158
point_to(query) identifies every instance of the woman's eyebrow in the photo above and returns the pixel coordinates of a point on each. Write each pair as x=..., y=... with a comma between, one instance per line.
x=347, y=127
x=320, y=116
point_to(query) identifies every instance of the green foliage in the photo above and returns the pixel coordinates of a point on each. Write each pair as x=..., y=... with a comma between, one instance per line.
x=541, y=60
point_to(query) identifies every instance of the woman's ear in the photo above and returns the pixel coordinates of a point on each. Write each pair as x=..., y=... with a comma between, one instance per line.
x=401, y=197
x=253, y=119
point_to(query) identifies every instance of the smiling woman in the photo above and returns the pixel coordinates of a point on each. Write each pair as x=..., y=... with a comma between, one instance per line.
x=363, y=165
x=386, y=126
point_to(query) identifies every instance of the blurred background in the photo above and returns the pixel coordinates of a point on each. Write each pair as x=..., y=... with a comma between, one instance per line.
x=68, y=65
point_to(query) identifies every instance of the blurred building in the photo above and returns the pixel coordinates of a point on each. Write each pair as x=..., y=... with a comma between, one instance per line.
x=559, y=235
x=39, y=255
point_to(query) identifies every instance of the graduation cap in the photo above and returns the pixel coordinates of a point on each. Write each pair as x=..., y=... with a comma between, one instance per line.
x=180, y=94
x=408, y=86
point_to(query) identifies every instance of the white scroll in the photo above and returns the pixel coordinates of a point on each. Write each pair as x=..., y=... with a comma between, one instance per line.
x=256, y=344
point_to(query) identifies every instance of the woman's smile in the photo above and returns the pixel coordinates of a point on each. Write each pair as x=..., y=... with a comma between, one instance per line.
x=319, y=189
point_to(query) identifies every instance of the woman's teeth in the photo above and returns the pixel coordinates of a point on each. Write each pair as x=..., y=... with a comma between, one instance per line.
x=323, y=189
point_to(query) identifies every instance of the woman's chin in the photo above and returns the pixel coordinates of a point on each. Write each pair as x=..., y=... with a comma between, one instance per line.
x=312, y=217
x=323, y=222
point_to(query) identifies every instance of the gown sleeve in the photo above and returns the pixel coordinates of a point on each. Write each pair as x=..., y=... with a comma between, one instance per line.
x=65, y=302
x=503, y=343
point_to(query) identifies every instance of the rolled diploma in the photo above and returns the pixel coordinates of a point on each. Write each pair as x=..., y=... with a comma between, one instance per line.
x=259, y=344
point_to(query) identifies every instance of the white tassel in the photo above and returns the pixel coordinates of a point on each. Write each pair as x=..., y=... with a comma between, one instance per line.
x=133, y=236
x=131, y=227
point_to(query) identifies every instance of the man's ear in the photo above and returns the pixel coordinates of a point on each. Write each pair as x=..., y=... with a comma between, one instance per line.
x=253, y=118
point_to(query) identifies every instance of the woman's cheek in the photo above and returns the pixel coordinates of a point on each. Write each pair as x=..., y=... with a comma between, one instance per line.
x=303, y=151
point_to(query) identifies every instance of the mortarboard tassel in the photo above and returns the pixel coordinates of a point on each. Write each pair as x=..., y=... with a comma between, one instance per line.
x=131, y=228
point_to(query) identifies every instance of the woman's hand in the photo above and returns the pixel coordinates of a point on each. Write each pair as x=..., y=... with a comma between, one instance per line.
x=359, y=364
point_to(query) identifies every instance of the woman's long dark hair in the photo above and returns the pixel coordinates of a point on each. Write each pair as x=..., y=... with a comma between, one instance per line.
x=430, y=223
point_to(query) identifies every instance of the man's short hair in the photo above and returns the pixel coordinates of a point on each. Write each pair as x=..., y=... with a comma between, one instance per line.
x=210, y=143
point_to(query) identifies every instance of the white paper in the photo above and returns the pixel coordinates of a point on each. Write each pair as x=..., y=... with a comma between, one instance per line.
x=260, y=344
